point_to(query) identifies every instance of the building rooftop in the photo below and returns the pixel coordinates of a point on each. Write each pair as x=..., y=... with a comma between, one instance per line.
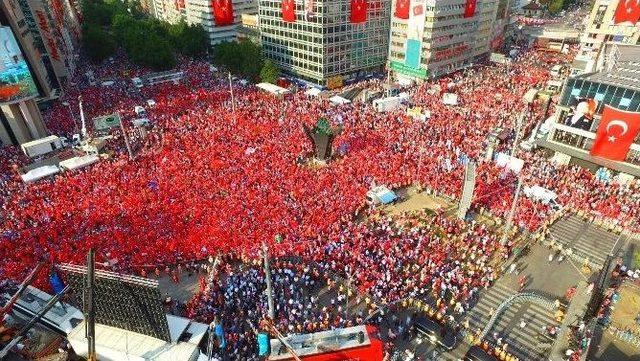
x=620, y=67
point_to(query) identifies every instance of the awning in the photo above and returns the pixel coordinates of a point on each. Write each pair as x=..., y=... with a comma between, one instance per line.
x=39, y=173
x=336, y=99
x=272, y=88
x=313, y=91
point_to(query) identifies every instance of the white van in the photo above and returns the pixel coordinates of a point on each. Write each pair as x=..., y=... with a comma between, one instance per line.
x=137, y=82
x=139, y=110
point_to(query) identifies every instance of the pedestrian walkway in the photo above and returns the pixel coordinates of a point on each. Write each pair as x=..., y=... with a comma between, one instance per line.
x=585, y=239
x=527, y=343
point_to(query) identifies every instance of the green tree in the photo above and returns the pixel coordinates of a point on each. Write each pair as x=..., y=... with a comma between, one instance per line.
x=188, y=40
x=98, y=43
x=555, y=6
x=270, y=72
x=636, y=259
x=243, y=58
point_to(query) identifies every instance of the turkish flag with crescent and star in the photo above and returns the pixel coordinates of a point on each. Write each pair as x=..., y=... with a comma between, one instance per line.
x=616, y=132
x=223, y=12
x=358, y=11
x=470, y=8
x=627, y=10
x=289, y=11
x=402, y=9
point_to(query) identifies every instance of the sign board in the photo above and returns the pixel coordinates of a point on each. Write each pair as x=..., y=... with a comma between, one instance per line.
x=450, y=99
x=106, y=122
x=123, y=301
x=334, y=82
x=401, y=68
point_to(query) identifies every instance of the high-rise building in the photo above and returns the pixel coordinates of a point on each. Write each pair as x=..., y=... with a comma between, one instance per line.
x=326, y=42
x=442, y=37
x=203, y=12
x=26, y=76
x=608, y=22
x=55, y=28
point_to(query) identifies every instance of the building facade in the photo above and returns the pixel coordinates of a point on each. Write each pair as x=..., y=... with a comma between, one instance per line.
x=601, y=28
x=616, y=83
x=24, y=78
x=453, y=37
x=323, y=45
x=201, y=12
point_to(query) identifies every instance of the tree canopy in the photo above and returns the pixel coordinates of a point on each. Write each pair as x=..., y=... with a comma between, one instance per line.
x=147, y=41
x=243, y=58
x=269, y=72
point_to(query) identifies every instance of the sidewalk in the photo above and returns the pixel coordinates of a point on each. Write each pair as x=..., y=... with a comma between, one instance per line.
x=576, y=310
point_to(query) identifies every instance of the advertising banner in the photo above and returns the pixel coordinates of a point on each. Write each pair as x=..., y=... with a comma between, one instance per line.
x=16, y=81
x=415, y=30
x=401, y=68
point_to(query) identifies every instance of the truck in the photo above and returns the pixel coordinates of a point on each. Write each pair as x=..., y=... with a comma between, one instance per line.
x=390, y=103
x=42, y=146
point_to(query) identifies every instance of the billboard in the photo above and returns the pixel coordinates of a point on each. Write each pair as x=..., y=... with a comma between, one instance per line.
x=16, y=81
x=415, y=30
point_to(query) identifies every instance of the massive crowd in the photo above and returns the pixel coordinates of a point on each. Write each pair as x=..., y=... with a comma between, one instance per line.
x=208, y=180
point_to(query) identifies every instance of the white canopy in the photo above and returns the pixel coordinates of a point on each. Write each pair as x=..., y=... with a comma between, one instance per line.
x=272, y=88
x=79, y=162
x=338, y=100
x=39, y=173
x=313, y=92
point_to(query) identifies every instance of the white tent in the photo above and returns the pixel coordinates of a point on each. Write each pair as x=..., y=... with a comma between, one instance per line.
x=272, y=88
x=338, y=100
x=313, y=92
x=39, y=173
x=79, y=162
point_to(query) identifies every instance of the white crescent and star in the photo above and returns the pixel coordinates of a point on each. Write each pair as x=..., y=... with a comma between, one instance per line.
x=619, y=123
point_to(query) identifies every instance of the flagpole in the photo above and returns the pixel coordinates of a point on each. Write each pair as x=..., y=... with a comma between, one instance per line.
x=233, y=101
x=84, y=124
x=126, y=138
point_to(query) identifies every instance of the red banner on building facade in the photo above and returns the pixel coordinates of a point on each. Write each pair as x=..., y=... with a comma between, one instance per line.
x=289, y=11
x=402, y=9
x=470, y=8
x=223, y=12
x=627, y=10
x=358, y=11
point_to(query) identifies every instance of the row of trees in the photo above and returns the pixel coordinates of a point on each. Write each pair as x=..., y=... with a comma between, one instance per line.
x=148, y=42
x=245, y=59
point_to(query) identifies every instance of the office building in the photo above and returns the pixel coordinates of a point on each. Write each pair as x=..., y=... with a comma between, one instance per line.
x=26, y=76
x=448, y=36
x=607, y=23
x=616, y=84
x=326, y=42
x=203, y=12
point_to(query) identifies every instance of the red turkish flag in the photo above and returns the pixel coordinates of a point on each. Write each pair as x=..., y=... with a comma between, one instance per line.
x=402, y=9
x=289, y=11
x=223, y=12
x=616, y=132
x=627, y=10
x=358, y=11
x=470, y=8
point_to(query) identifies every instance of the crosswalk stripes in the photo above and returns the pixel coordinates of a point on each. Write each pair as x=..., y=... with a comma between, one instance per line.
x=526, y=342
x=586, y=240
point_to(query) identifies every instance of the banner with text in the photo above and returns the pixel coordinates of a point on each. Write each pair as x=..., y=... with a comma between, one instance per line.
x=415, y=30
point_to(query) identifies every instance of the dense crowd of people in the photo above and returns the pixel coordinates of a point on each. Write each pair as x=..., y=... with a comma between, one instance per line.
x=210, y=180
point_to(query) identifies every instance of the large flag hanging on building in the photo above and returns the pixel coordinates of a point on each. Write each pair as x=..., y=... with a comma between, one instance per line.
x=223, y=12
x=358, y=11
x=627, y=10
x=616, y=132
x=402, y=9
x=289, y=11
x=470, y=8
x=415, y=31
